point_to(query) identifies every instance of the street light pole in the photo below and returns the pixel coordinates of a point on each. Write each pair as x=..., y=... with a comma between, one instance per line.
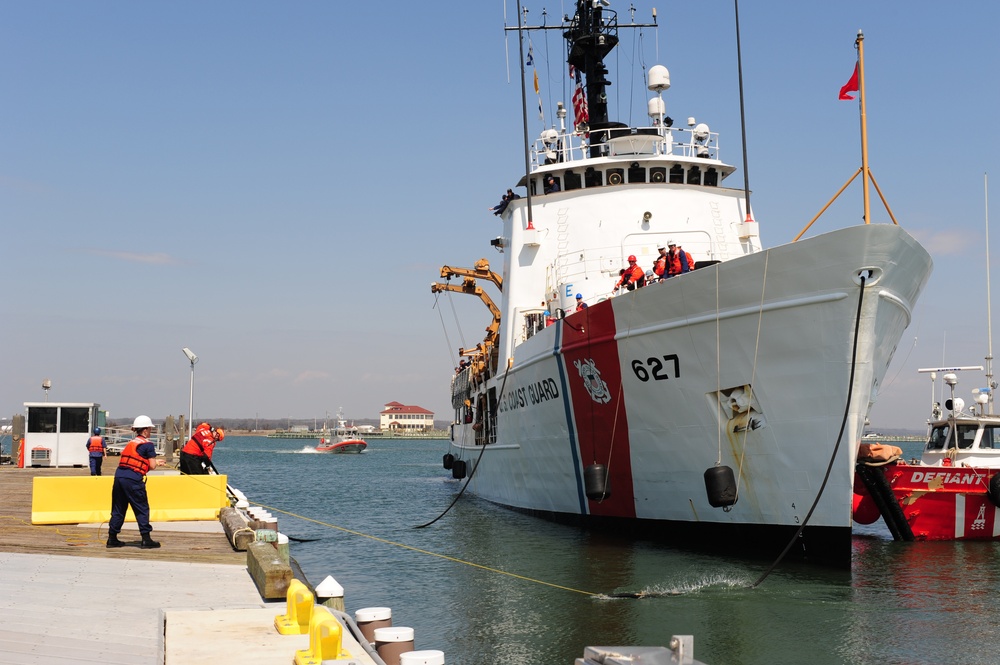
x=193, y=358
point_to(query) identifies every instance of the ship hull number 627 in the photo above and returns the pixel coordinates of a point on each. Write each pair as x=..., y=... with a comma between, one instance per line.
x=657, y=368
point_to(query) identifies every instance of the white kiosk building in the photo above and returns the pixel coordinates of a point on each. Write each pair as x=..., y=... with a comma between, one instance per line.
x=56, y=433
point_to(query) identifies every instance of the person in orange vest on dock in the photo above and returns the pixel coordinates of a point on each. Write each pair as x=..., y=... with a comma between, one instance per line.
x=631, y=277
x=129, y=489
x=97, y=448
x=196, y=455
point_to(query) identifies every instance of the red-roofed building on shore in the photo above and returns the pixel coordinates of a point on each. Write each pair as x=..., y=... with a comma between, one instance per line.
x=398, y=417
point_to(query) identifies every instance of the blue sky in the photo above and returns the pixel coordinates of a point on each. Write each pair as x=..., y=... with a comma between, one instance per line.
x=275, y=185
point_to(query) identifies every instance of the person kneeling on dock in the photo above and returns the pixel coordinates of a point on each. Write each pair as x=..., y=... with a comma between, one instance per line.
x=129, y=488
x=196, y=455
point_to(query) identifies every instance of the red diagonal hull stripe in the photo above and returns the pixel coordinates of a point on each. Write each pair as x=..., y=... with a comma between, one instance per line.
x=602, y=427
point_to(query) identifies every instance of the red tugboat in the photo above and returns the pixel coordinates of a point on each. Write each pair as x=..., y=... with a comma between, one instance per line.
x=953, y=491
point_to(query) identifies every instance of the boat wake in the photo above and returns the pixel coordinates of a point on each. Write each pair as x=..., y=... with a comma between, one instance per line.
x=723, y=582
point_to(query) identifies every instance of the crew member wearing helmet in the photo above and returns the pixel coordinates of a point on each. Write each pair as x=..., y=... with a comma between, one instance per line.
x=579, y=302
x=129, y=488
x=678, y=261
x=660, y=265
x=631, y=277
x=97, y=448
x=196, y=455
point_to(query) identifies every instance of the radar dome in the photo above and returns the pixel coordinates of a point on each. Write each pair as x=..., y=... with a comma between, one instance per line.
x=656, y=107
x=659, y=78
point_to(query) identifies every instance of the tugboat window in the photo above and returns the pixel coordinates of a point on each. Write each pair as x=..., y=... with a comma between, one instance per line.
x=616, y=176
x=694, y=176
x=966, y=435
x=658, y=174
x=677, y=174
x=938, y=437
x=991, y=438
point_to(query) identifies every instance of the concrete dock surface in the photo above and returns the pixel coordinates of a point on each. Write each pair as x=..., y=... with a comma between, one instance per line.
x=65, y=598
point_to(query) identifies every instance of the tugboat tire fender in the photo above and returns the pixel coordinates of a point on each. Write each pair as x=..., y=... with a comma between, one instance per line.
x=993, y=490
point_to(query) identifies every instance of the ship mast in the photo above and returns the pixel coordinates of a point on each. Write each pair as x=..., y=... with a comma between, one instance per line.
x=989, y=317
x=592, y=36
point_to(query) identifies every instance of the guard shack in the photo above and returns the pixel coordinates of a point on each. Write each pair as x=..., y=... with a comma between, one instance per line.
x=57, y=433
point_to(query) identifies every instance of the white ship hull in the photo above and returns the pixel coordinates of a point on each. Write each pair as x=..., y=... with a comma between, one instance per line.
x=749, y=362
x=780, y=321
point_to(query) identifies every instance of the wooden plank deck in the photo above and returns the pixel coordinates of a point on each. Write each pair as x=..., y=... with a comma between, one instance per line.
x=19, y=535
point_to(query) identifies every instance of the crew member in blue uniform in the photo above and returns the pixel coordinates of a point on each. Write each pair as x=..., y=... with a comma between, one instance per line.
x=97, y=449
x=129, y=488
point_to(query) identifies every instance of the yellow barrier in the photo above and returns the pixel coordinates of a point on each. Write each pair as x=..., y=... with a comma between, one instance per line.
x=87, y=499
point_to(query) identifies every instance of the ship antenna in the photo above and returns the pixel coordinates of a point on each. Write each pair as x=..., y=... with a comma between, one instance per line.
x=989, y=316
x=524, y=114
x=743, y=115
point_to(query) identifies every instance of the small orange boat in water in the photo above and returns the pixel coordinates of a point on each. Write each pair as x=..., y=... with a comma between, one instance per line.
x=342, y=439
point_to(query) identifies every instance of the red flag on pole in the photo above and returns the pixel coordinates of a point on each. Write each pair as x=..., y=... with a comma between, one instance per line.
x=851, y=86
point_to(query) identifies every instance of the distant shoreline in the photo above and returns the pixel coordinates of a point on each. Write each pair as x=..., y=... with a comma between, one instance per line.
x=433, y=434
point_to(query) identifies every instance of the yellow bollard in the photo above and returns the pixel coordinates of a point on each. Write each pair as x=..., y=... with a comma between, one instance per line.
x=299, y=608
x=325, y=640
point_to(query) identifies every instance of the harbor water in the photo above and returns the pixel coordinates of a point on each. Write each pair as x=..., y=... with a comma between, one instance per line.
x=901, y=603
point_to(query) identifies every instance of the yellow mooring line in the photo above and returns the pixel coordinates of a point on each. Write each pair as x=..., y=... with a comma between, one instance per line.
x=417, y=549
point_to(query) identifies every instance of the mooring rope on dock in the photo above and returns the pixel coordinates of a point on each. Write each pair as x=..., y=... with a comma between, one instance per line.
x=428, y=552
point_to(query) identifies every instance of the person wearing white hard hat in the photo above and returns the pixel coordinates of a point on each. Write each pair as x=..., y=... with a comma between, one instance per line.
x=129, y=488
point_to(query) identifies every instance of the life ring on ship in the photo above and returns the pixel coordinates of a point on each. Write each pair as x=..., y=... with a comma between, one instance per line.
x=993, y=490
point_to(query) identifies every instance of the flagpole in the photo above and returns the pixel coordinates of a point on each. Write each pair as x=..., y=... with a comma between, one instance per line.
x=866, y=175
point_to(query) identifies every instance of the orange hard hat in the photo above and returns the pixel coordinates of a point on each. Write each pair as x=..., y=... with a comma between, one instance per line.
x=219, y=433
x=631, y=258
x=202, y=426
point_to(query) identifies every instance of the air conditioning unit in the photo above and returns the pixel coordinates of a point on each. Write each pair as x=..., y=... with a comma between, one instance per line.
x=41, y=457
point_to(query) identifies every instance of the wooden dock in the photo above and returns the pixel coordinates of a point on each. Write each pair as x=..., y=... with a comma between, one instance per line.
x=66, y=598
x=182, y=542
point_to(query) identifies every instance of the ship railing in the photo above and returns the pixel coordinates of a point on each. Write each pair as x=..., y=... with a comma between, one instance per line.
x=532, y=320
x=116, y=438
x=555, y=147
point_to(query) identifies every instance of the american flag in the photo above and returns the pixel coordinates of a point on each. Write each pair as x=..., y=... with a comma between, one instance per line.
x=581, y=114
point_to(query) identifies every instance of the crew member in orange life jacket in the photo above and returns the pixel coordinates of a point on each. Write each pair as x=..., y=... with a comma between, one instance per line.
x=96, y=448
x=632, y=277
x=129, y=488
x=678, y=261
x=579, y=302
x=196, y=455
x=660, y=265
